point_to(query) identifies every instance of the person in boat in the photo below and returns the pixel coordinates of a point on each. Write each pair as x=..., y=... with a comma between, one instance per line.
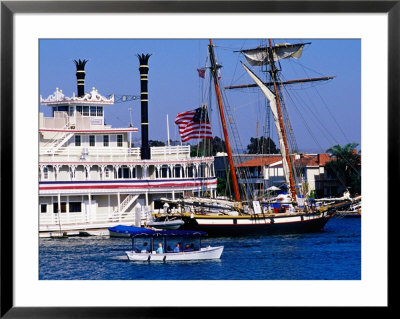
x=145, y=248
x=189, y=248
x=177, y=248
x=159, y=249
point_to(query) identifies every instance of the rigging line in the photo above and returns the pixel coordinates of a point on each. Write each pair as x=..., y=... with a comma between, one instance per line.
x=319, y=121
x=236, y=139
x=350, y=164
x=226, y=164
x=324, y=103
x=336, y=173
x=250, y=102
x=330, y=113
x=233, y=129
x=302, y=118
x=293, y=146
x=316, y=124
x=234, y=72
x=309, y=69
x=316, y=121
x=233, y=80
x=326, y=106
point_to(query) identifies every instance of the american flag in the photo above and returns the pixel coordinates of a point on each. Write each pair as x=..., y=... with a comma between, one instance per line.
x=194, y=124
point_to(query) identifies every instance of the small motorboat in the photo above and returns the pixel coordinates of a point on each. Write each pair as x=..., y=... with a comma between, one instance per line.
x=178, y=254
x=166, y=224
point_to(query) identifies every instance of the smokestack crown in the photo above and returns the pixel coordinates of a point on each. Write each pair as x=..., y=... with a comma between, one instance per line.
x=143, y=59
x=80, y=76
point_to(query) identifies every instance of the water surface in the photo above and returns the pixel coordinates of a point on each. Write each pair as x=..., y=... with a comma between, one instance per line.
x=331, y=254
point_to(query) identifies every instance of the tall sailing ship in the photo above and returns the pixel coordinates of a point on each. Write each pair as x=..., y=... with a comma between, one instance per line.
x=287, y=213
x=92, y=178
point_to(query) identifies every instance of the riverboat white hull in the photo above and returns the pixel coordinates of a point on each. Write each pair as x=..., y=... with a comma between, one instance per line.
x=205, y=253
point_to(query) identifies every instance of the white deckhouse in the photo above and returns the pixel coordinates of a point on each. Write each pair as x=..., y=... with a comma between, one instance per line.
x=90, y=178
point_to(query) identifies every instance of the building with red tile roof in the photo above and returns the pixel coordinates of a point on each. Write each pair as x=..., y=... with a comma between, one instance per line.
x=267, y=171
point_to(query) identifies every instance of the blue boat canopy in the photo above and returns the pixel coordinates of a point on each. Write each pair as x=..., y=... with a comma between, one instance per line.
x=146, y=232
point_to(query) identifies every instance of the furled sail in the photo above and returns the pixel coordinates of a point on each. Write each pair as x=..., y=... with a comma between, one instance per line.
x=259, y=56
x=272, y=102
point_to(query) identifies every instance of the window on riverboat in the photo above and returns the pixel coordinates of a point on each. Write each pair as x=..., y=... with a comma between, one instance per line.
x=124, y=172
x=60, y=109
x=165, y=171
x=79, y=109
x=63, y=109
x=190, y=171
x=119, y=140
x=77, y=140
x=99, y=111
x=202, y=170
x=92, y=141
x=43, y=208
x=85, y=111
x=107, y=172
x=45, y=173
x=178, y=170
x=63, y=207
x=106, y=140
x=75, y=207
x=93, y=111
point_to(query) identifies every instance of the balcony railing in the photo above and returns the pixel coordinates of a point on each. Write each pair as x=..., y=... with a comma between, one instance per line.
x=92, y=154
x=109, y=154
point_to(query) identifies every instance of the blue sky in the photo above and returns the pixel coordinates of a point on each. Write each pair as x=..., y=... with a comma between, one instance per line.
x=321, y=115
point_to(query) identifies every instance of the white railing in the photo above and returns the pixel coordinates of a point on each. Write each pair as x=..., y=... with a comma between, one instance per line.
x=109, y=154
x=70, y=221
x=179, y=151
x=97, y=153
x=57, y=219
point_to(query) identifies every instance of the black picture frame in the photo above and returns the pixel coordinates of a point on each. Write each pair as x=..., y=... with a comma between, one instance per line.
x=9, y=8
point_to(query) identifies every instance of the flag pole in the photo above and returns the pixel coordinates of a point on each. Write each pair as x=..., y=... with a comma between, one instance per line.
x=168, y=131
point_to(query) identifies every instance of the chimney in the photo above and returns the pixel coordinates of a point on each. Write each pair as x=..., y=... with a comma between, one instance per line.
x=80, y=76
x=144, y=95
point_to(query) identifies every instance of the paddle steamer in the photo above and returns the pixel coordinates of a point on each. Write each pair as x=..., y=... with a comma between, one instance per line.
x=92, y=178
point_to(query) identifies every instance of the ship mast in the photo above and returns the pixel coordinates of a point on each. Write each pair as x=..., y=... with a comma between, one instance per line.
x=273, y=72
x=214, y=72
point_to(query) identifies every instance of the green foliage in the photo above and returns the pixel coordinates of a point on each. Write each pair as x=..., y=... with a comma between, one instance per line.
x=156, y=143
x=208, y=147
x=221, y=186
x=346, y=166
x=262, y=145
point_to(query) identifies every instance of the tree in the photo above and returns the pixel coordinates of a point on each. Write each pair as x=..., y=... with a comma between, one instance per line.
x=156, y=143
x=221, y=186
x=262, y=145
x=208, y=147
x=346, y=165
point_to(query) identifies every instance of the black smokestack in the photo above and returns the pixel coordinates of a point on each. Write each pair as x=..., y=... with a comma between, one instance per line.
x=80, y=76
x=144, y=99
